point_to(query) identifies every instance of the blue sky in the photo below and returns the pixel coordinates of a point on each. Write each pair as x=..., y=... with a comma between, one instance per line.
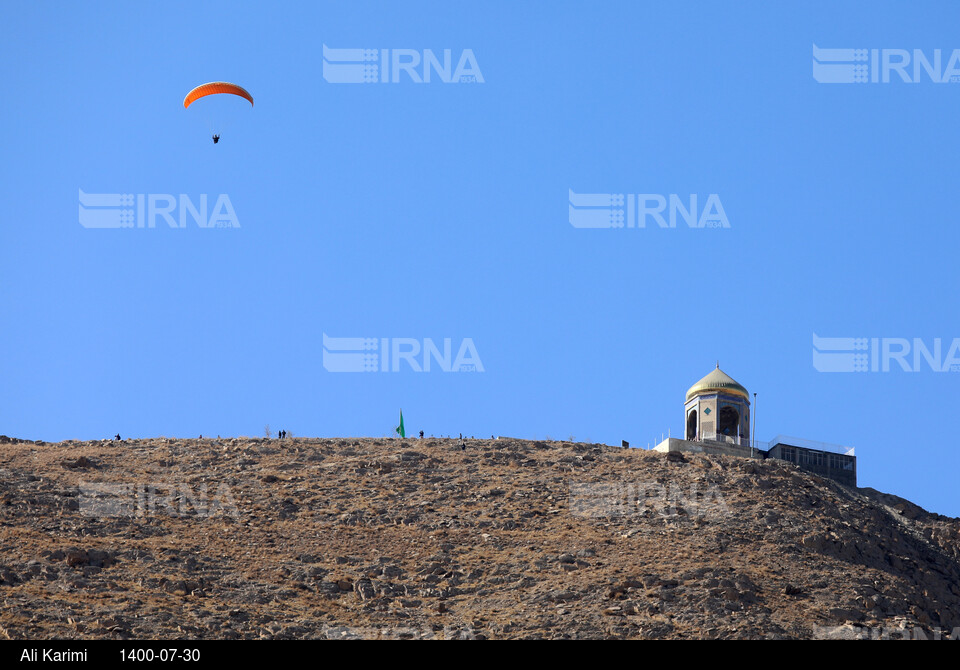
x=440, y=210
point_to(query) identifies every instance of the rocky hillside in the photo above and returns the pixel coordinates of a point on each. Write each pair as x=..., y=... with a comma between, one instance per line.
x=347, y=538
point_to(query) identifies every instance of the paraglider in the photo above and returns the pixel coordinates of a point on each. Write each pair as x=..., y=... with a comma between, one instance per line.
x=216, y=88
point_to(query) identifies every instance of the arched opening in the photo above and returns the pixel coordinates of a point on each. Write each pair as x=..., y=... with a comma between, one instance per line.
x=692, y=425
x=729, y=421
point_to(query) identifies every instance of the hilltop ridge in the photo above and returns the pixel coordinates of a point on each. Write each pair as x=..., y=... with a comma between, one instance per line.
x=388, y=537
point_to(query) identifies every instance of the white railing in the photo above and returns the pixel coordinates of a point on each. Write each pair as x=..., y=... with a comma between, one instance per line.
x=784, y=440
x=788, y=441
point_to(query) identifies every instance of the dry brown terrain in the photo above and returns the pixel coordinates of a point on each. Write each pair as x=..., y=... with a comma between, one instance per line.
x=339, y=538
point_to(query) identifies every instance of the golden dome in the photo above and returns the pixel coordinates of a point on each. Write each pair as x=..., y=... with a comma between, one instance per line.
x=718, y=380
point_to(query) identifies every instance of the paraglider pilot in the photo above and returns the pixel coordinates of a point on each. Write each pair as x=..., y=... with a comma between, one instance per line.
x=216, y=138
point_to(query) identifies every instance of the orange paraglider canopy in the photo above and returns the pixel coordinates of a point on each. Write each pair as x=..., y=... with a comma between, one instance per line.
x=215, y=87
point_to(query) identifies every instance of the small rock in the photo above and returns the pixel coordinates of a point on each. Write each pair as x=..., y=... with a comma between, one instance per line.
x=77, y=557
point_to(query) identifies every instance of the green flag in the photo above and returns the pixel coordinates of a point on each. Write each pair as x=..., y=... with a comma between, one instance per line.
x=399, y=428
